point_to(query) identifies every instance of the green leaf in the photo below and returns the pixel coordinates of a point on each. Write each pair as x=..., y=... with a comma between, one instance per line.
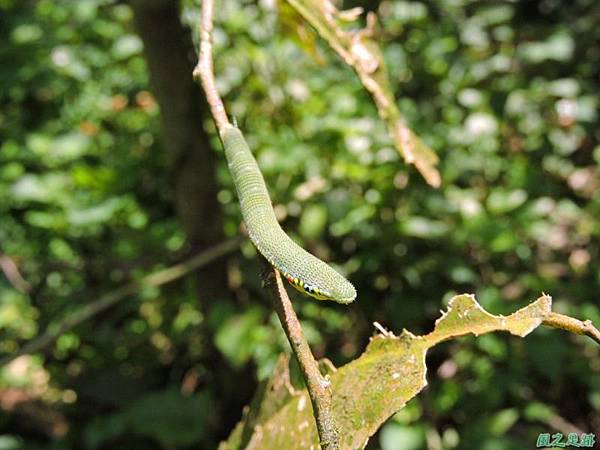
x=169, y=417
x=235, y=337
x=423, y=228
x=127, y=46
x=96, y=214
x=41, y=188
x=9, y=442
x=502, y=421
x=503, y=201
x=394, y=436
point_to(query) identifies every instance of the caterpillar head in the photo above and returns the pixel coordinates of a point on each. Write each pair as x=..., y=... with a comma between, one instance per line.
x=344, y=292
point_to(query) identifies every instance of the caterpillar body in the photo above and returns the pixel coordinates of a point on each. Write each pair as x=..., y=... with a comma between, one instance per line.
x=304, y=271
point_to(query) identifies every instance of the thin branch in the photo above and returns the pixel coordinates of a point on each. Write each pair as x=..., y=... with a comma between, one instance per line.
x=11, y=271
x=561, y=424
x=204, y=68
x=556, y=320
x=107, y=300
x=319, y=387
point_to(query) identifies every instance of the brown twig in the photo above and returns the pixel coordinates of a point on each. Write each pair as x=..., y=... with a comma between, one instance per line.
x=556, y=320
x=11, y=270
x=204, y=68
x=111, y=298
x=318, y=386
x=361, y=51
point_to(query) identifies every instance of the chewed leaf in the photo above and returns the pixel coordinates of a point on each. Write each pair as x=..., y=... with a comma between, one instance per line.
x=370, y=389
x=360, y=51
x=465, y=316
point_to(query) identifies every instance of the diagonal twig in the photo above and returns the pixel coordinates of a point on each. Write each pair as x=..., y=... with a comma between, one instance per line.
x=362, y=52
x=111, y=298
x=11, y=271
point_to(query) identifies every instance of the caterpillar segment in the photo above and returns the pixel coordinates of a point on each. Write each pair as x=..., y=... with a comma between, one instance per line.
x=307, y=273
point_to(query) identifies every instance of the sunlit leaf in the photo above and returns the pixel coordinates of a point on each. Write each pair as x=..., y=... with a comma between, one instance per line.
x=370, y=389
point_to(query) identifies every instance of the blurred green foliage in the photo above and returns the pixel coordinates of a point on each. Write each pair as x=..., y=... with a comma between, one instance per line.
x=505, y=92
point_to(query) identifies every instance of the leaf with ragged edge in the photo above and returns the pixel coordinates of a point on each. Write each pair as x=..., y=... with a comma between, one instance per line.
x=360, y=51
x=292, y=25
x=370, y=389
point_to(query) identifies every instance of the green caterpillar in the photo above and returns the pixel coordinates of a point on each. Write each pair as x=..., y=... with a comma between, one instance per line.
x=304, y=271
